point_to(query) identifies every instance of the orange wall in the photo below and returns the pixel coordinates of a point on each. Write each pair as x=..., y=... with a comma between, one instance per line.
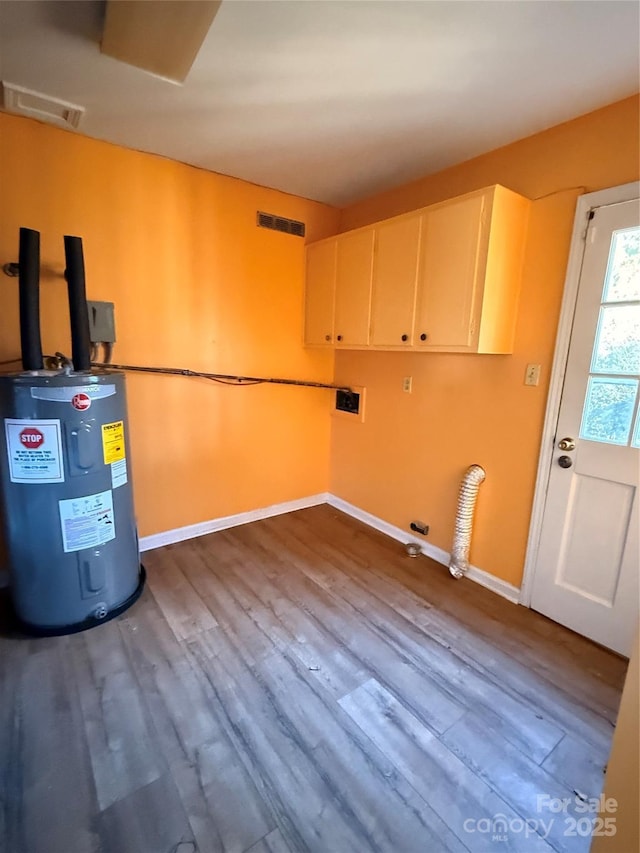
x=407, y=459
x=196, y=284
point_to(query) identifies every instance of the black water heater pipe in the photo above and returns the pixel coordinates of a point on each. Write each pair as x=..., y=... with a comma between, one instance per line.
x=29, y=299
x=78, y=315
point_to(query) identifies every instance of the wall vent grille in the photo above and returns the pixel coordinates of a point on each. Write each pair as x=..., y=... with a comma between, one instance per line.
x=280, y=223
x=17, y=99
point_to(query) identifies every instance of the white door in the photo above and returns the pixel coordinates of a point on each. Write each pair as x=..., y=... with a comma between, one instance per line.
x=588, y=562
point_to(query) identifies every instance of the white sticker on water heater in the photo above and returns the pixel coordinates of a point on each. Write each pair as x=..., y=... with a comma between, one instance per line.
x=34, y=448
x=118, y=473
x=87, y=522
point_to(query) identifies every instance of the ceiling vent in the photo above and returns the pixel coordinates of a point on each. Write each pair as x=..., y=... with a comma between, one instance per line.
x=279, y=223
x=17, y=99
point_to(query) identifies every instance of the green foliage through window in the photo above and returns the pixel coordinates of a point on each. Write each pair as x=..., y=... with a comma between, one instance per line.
x=612, y=394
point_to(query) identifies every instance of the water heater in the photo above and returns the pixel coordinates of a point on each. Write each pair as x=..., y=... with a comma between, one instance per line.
x=65, y=475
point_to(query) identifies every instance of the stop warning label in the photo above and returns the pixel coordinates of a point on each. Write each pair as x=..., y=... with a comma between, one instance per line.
x=113, y=448
x=34, y=449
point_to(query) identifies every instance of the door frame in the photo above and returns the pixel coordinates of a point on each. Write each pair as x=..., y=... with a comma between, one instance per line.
x=586, y=203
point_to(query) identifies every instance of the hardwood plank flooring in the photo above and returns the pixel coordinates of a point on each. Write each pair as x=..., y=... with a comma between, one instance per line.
x=299, y=685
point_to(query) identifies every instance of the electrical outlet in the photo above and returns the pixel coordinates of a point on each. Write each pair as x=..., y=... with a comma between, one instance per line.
x=407, y=384
x=532, y=374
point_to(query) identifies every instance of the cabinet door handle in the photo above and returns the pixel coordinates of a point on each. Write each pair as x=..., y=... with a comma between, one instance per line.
x=327, y=337
x=405, y=337
x=423, y=337
x=339, y=337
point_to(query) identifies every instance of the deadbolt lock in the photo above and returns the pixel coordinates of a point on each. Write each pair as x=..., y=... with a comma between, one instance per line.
x=567, y=444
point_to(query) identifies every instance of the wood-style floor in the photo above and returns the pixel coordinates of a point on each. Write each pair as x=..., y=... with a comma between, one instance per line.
x=300, y=684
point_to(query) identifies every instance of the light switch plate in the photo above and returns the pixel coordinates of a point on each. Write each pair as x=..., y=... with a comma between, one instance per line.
x=532, y=374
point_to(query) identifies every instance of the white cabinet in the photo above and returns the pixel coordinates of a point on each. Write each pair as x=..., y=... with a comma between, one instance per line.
x=354, y=267
x=395, y=279
x=445, y=278
x=319, y=293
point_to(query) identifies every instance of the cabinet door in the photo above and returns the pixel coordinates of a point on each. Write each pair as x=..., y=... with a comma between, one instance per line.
x=451, y=267
x=395, y=274
x=353, y=288
x=319, y=293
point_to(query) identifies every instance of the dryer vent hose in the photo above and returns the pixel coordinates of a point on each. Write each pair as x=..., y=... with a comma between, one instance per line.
x=459, y=563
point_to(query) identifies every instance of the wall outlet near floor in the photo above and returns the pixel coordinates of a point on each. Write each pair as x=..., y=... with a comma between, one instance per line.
x=532, y=374
x=407, y=384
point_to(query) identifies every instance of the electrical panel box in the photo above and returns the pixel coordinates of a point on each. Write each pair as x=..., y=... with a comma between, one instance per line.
x=102, y=322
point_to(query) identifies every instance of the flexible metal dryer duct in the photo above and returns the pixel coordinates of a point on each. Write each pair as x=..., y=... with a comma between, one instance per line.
x=459, y=563
x=29, y=297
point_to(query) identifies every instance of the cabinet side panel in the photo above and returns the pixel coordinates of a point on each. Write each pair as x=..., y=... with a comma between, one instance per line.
x=505, y=257
x=319, y=293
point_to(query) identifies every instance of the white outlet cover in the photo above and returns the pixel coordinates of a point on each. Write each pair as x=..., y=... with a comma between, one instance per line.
x=532, y=374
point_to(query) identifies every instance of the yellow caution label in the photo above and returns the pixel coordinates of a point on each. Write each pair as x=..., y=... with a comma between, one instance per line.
x=113, y=442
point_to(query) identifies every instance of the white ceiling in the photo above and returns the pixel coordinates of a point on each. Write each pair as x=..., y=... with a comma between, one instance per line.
x=336, y=100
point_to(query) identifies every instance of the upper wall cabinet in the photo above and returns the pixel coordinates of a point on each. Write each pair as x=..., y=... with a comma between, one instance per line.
x=445, y=278
x=354, y=268
x=470, y=271
x=395, y=278
x=319, y=293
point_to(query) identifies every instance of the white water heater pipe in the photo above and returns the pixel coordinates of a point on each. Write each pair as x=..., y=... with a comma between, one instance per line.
x=459, y=563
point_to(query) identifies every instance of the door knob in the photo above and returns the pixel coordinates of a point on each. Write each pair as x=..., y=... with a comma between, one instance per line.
x=567, y=444
x=565, y=461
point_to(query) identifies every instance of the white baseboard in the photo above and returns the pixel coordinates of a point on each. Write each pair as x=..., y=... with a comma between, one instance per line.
x=497, y=585
x=191, y=531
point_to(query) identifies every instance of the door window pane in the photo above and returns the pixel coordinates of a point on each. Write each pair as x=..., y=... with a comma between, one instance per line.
x=608, y=409
x=622, y=282
x=617, y=347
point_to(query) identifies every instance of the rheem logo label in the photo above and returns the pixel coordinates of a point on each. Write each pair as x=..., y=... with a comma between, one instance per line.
x=31, y=438
x=81, y=402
